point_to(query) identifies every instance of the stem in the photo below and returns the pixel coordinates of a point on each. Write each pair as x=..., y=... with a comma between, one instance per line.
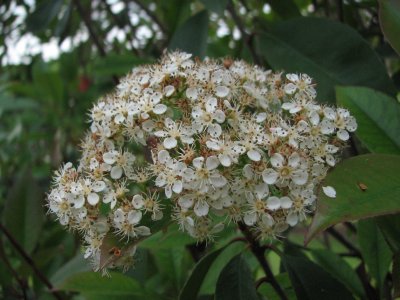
x=30, y=262
x=344, y=242
x=247, y=38
x=92, y=33
x=258, y=252
x=15, y=274
x=151, y=15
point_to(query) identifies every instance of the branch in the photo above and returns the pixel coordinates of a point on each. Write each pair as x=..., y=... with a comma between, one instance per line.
x=30, y=262
x=92, y=33
x=344, y=242
x=258, y=252
x=151, y=15
x=15, y=274
x=247, y=38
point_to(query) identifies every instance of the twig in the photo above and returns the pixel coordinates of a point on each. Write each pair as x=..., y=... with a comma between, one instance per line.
x=30, y=262
x=121, y=25
x=258, y=252
x=344, y=242
x=261, y=281
x=15, y=274
x=92, y=33
x=247, y=38
x=151, y=15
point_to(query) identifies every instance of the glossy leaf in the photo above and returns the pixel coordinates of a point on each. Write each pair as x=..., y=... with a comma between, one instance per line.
x=193, y=283
x=396, y=275
x=23, y=211
x=339, y=269
x=236, y=281
x=330, y=52
x=378, y=118
x=76, y=265
x=375, y=251
x=389, y=18
x=44, y=13
x=285, y=8
x=379, y=175
x=390, y=228
x=217, y=6
x=191, y=36
x=94, y=285
x=311, y=282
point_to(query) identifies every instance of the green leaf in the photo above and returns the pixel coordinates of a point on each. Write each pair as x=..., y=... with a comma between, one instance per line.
x=76, y=265
x=377, y=172
x=117, y=64
x=217, y=6
x=312, y=282
x=330, y=52
x=285, y=8
x=44, y=13
x=193, y=283
x=283, y=279
x=378, y=118
x=23, y=211
x=93, y=286
x=191, y=36
x=235, y=281
x=390, y=228
x=375, y=251
x=339, y=269
x=389, y=18
x=396, y=275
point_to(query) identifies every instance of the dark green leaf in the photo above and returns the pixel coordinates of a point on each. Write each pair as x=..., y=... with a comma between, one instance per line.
x=236, y=281
x=217, y=6
x=283, y=279
x=378, y=118
x=379, y=175
x=311, y=282
x=116, y=64
x=390, y=228
x=44, y=13
x=76, y=265
x=339, y=269
x=193, y=283
x=94, y=285
x=330, y=52
x=285, y=8
x=375, y=251
x=23, y=211
x=191, y=36
x=389, y=18
x=396, y=275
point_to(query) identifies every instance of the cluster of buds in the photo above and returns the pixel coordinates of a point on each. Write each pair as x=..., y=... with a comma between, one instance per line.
x=215, y=142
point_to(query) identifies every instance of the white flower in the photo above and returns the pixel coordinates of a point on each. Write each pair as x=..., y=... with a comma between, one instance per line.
x=205, y=118
x=148, y=103
x=285, y=170
x=173, y=132
x=204, y=175
x=329, y=191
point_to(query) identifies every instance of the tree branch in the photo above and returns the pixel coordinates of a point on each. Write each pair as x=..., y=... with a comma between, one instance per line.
x=30, y=262
x=344, y=242
x=258, y=252
x=92, y=33
x=151, y=15
x=246, y=38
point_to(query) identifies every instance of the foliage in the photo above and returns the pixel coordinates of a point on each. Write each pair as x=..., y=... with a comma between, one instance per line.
x=350, y=47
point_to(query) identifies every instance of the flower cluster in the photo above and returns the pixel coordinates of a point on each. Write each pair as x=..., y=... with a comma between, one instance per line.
x=215, y=142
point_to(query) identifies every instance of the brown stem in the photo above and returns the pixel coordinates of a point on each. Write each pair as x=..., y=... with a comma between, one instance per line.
x=246, y=37
x=92, y=33
x=15, y=274
x=258, y=252
x=344, y=242
x=151, y=15
x=30, y=262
